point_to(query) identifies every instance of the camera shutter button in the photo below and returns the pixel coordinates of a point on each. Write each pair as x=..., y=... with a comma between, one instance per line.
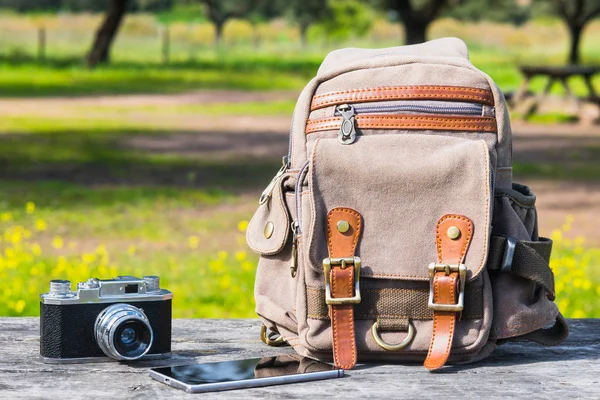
x=59, y=287
x=152, y=283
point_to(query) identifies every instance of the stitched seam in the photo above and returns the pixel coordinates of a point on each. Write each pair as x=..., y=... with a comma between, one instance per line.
x=406, y=117
x=417, y=87
x=350, y=278
x=486, y=179
x=485, y=124
x=311, y=199
x=450, y=334
x=450, y=96
x=435, y=319
x=351, y=327
x=334, y=327
x=283, y=208
x=439, y=236
x=483, y=95
x=483, y=128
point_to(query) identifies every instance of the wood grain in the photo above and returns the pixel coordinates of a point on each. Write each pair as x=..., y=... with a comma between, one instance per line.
x=514, y=369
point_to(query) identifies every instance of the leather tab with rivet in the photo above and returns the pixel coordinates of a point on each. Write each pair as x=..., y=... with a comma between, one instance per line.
x=453, y=235
x=343, y=232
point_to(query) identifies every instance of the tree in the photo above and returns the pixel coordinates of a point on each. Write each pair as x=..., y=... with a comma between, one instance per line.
x=512, y=11
x=576, y=14
x=417, y=15
x=307, y=12
x=105, y=35
x=220, y=11
x=263, y=12
x=347, y=18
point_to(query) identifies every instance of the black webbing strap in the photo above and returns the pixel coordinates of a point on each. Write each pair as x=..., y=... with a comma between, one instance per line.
x=529, y=260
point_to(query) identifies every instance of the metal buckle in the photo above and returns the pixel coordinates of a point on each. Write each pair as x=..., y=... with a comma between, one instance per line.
x=509, y=253
x=343, y=263
x=462, y=275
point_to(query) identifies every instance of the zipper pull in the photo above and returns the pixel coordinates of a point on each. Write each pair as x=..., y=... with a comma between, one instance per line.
x=347, y=133
x=266, y=194
x=294, y=264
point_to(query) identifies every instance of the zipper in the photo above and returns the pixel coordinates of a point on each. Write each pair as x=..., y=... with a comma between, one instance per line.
x=347, y=127
x=297, y=224
x=289, y=155
x=347, y=133
x=455, y=109
x=266, y=194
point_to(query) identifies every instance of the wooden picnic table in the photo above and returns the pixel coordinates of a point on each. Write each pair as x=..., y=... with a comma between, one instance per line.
x=517, y=369
x=553, y=75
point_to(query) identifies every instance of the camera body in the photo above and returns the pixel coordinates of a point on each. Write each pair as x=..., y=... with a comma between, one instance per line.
x=125, y=318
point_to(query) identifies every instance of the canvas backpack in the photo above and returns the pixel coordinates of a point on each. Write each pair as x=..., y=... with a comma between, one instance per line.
x=393, y=230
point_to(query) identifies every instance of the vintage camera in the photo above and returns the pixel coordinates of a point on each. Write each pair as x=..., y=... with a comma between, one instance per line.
x=123, y=319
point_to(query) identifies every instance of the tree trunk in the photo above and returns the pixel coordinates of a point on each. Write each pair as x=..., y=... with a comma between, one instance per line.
x=415, y=31
x=100, y=52
x=575, y=34
x=303, y=30
x=219, y=25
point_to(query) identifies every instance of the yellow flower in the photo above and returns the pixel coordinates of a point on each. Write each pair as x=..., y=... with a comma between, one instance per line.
x=225, y=281
x=240, y=255
x=242, y=226
x=222, y=255
x=57, y=242
x=101, y=250
x=88, y=258
x=6, y=217
x=40, y=225
x=19, y=306
x=247, y=266
x=30, y=207
x=193, y=242
x=36, y=250
x=131, y=250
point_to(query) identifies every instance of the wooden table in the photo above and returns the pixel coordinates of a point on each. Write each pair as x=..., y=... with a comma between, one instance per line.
x=554, y=74
x=515, y=369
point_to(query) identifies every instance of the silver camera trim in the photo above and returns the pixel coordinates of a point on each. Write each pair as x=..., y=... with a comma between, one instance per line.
x=106, y=291
x=85, y=360
x=108, y=322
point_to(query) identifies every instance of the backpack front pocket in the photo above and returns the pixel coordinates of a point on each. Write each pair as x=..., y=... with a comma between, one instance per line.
x=401, y=185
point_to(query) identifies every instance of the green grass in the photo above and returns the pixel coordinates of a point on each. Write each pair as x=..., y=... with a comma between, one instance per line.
x=75, y=120
x=236, y=71
x=583, y=171
x=58, y=79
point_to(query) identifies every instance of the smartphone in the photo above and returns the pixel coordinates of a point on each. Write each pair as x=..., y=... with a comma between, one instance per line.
x=239, y=374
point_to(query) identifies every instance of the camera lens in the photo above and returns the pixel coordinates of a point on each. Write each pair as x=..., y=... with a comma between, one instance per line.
x=123, y=332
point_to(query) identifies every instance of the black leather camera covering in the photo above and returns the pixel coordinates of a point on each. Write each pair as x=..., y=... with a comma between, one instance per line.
x=67, y=331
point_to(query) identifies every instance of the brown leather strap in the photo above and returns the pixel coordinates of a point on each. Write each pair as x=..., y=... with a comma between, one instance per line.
x=342, y=243
x=429, y=92
x=408, y=122
x=453, y=235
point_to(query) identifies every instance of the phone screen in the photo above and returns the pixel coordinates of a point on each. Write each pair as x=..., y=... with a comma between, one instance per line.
x=241, y=370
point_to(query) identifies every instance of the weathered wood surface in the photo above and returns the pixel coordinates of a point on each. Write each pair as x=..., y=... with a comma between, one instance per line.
x=523, y=370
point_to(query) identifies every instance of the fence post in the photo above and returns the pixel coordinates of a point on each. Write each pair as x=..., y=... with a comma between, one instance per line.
x=41, y=43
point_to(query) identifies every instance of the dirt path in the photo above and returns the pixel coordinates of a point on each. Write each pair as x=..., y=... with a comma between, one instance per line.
x=266, y=137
